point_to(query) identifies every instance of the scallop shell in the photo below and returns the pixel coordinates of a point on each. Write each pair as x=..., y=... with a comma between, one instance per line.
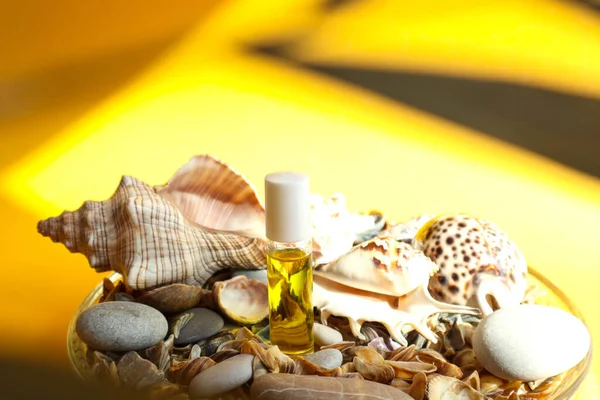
x=381, y=265
x=477, y=262
x=151, y=242
x=243, y=300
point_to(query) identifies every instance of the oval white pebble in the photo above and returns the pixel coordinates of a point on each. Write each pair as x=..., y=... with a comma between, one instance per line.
x=222, y=377
x=324, y=335
x=530, y=342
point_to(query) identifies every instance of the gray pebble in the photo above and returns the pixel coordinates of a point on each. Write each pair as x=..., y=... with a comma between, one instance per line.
x=328, y=358
x=222, y=377
x=121, y=326
x=204, y=324
x=258, y=274
x=325, y=336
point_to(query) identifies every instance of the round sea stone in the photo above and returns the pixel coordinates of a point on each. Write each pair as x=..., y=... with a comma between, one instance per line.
x=325, y=336
x=222, y=377
x=204, y=324
x=530, y=342
x=121, y=326
x=328, y=358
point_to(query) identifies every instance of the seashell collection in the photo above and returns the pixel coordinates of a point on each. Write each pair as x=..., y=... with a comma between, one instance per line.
x=399, y=304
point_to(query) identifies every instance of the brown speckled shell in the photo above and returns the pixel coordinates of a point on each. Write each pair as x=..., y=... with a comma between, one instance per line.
x=467, y=251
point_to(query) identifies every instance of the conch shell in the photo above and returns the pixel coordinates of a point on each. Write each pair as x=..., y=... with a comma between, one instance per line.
x=381, y=280
x=477, y=261
x=145, y=235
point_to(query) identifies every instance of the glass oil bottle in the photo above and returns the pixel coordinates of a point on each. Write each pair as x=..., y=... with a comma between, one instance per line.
x=289, y=262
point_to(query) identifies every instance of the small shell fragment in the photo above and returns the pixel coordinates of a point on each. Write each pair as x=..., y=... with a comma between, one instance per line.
x=243, y=300
x=445, y=387
x=374, y=372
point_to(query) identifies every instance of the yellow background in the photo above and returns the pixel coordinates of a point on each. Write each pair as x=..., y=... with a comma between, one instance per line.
x=93, y=90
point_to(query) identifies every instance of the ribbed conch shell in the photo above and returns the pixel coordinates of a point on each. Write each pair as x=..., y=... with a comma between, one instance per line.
x=477, y=262
x=243, y=300
x=207, y=218
x=384, y=281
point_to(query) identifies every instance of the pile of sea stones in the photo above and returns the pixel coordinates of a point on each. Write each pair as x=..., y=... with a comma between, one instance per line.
x=197, y=353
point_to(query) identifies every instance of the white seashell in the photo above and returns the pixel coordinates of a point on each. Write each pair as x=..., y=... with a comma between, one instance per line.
x=477, y=262
x=413, y=309
x=380, y=265
x=147, y=239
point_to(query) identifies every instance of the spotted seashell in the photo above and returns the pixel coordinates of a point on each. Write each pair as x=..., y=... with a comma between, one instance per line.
x=154, y=239
x=477, y=261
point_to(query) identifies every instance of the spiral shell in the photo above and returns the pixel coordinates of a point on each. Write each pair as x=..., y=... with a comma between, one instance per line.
x=147, y=238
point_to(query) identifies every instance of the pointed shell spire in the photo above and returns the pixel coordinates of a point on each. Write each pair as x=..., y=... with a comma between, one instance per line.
x=147, y=239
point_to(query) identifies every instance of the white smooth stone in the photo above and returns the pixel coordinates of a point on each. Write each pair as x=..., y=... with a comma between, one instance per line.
x=324, y=335
x=222, y=377
x=530, y=342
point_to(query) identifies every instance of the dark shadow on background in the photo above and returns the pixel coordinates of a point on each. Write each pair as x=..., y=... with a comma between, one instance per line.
x=19, y=381
x=563, y=127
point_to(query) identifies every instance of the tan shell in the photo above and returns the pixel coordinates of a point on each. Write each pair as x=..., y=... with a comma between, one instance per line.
x=104, y=369
x=381, y=265
x=172, y=299
x=183, y=372
x=243, y=300
x=136, y=373
x=408, y=369
x=445, y=387
x=418, y=387
x=147, y=238
x=381, y=373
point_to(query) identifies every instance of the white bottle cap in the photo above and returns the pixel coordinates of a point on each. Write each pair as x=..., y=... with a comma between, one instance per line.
x=287, y=206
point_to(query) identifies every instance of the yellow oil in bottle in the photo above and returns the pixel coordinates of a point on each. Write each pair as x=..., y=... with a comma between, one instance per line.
x=291, y=314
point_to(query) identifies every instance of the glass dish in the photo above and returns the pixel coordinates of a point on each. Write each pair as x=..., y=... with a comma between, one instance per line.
x=553, y=296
